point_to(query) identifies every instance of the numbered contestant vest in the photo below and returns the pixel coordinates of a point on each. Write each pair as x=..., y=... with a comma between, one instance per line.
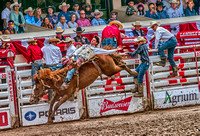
x=87, y=52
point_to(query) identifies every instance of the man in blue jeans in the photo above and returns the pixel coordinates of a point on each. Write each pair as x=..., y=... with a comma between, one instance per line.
x=142, y=50
x=169, y=44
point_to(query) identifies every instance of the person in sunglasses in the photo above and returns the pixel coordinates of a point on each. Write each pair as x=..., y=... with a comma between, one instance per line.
x=82, y=21
x=97, y=20
x=59, y=32
x=10, y=29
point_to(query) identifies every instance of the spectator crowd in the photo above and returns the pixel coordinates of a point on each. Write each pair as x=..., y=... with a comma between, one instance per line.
x=14, y=20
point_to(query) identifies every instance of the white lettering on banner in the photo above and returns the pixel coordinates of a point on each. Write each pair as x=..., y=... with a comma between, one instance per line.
x=183, y=34
x=174, y=98
x=198, y=53
x=5, y=119
x=10, y=86
x=38, y=114
x=114, y=104
x=120, y=105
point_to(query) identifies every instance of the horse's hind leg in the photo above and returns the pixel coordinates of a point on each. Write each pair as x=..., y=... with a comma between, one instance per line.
x=54, y=99
x=134, y=73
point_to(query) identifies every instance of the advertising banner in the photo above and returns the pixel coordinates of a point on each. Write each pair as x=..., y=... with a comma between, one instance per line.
x=5, y=119
x=175, y=98
x=38, y=114
x=114, y=104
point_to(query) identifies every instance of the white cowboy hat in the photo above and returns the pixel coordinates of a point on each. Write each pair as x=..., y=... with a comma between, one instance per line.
x=29, y=9
x=63, y=4
x=174, y=1
x=30, y=39
x=116, y=22
x=53, y=39
x=59, y=29
x=153, y=23
x=5, y=38
x=68, y=39
x=137, y=23
x=97, y=11
x=139, y=39
x=15, y=3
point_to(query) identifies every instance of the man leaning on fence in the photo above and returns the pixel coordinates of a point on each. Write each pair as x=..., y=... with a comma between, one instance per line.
x=35, y=56
x=169, y=44
x=111, y=34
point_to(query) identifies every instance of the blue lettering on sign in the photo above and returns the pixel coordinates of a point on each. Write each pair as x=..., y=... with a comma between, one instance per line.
x=30, y=115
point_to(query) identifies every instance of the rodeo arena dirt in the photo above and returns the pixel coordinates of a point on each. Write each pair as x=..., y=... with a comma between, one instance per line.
x=105, y=104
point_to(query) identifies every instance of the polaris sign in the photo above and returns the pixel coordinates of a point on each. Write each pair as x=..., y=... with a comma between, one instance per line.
x=175, y=98
x=38, y=114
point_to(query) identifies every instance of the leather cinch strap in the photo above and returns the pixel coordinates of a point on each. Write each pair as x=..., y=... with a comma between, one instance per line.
x=98, y=68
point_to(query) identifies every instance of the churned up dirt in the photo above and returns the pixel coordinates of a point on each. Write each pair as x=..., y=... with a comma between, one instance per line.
x=179, y=122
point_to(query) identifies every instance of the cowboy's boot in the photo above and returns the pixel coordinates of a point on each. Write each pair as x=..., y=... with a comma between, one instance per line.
x=162, y=62
x=140, y=90
x=136, y=86
x=65, y=84
x=175, y=71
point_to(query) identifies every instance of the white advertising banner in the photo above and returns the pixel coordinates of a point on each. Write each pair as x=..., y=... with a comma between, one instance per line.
x=113, y=104
x=38, y=114
x=5, y=121
x=175, y=98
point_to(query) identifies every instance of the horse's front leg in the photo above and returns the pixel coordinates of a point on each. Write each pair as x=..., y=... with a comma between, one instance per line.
x=62, y=100
x=54, y=99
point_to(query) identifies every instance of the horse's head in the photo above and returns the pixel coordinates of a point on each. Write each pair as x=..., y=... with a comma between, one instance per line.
x=38, y=90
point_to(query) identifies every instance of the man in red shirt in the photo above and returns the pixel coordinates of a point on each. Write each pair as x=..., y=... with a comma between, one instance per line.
x=35, y=56
x=111, y=34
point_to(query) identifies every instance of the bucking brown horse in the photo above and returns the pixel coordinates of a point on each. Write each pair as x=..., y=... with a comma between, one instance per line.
x=88, y=73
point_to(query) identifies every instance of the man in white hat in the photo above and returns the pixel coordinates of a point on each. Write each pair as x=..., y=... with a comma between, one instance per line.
x=111, y=34
x=97, y=20
x=70, y=51
x=169, y=44
x=142, y=50
x=173, y=11
x=137, y=31
x=52, y=53
x=64, y=7
x=35, y=56
x=29, y=18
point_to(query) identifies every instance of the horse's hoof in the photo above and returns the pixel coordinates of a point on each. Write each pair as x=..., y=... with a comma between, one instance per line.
x=49, y=122
x=53, y=118
x=134, y=73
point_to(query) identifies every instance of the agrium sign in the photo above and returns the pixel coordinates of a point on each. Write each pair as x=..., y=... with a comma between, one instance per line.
x=175, y=98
